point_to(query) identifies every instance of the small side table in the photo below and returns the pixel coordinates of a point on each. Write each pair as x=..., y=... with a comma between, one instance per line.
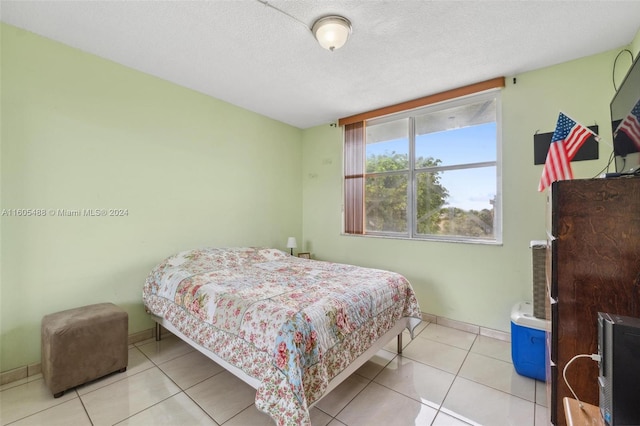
x=589, y=415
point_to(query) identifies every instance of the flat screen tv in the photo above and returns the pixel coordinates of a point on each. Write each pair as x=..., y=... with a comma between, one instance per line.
x=625, y=121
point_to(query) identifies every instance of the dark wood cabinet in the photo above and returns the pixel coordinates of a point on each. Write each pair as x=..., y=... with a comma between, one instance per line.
x=593, y=265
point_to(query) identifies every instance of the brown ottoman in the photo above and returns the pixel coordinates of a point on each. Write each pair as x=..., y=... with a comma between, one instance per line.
x=83, y=344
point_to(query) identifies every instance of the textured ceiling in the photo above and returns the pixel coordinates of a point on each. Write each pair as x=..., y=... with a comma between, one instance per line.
x=249, y=54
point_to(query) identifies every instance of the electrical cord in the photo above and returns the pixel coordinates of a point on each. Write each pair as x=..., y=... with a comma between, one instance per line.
x=605, y=168
x=615, y=61
x=594, y=357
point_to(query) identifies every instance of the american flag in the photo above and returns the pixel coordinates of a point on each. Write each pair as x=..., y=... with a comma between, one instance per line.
x=631, y=125
x=565, y=143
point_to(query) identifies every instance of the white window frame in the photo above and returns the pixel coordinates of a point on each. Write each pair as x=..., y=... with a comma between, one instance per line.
x=412, y=172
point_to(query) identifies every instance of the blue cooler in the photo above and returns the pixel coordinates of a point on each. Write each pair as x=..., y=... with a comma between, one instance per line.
x=527, y=341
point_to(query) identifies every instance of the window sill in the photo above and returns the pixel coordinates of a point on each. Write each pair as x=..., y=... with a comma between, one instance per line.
x=431, y=239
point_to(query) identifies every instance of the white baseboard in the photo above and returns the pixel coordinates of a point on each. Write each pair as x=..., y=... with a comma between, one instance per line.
x=469, y=328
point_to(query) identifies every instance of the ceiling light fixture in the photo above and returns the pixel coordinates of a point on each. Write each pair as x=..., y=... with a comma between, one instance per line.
x=332, y=31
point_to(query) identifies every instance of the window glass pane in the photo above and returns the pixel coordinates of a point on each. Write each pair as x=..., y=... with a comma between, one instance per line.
x=386, y=203
x=431, y=196
x=447, y=204
x=388, y=146
x=451, y=190
x=460, y=135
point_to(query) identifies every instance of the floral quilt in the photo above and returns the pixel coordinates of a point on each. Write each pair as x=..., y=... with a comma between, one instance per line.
x=291, y=323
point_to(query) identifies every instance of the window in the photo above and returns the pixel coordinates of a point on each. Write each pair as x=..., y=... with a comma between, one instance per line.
x=429, y=173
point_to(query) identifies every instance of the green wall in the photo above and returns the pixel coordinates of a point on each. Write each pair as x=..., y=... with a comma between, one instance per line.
x=80, y=132
x=473, y=283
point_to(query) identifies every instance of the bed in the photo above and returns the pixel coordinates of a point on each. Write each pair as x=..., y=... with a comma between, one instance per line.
x=291, y=328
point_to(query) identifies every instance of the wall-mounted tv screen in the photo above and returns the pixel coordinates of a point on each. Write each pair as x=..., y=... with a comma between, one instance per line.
x=625, y=121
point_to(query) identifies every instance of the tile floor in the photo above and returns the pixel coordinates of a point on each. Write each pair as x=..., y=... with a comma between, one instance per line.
x=444, y=377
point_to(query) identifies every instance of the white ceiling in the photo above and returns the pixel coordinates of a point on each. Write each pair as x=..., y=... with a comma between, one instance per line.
x=252, y=55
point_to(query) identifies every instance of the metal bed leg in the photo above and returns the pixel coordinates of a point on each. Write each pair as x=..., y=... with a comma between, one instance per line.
x=400, y=343
x=158, y=332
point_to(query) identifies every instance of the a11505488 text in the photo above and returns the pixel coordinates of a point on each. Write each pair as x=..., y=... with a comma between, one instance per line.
x=64, y=212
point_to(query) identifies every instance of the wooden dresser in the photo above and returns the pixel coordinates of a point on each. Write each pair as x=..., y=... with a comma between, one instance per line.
x=593, y=264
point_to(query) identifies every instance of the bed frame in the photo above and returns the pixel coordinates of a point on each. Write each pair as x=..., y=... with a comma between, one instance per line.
x=396, y=330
